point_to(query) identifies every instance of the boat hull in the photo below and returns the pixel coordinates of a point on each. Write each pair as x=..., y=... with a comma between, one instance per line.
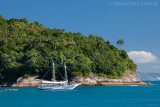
x=58, y=87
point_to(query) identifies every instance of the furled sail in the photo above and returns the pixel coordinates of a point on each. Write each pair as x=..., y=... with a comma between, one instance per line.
x=53, y=73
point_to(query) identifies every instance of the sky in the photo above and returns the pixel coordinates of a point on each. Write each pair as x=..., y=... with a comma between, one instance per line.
x=137, y=22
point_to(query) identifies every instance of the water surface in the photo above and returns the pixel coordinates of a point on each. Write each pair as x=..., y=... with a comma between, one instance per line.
x=100, y=96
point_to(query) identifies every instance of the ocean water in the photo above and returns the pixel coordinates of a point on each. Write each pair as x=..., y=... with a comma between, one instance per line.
x=100, y=96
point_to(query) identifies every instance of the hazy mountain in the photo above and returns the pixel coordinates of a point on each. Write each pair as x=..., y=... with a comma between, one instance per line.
x=148, y=76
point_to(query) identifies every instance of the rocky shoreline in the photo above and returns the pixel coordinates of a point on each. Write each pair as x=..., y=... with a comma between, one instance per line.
x=129, y=79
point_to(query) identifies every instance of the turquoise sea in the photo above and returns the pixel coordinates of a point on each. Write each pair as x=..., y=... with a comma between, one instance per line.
x=100, y=96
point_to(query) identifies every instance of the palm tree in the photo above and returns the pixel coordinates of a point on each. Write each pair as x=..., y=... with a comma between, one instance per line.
x=120, y=42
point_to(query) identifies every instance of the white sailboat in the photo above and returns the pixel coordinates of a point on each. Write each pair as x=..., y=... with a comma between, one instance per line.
x=57, y=85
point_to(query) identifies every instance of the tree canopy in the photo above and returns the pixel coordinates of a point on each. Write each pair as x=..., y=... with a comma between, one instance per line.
x=120, y=42
x=29, y=48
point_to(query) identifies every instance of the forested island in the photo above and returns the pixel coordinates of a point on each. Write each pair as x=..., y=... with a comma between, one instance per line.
x=28, y=49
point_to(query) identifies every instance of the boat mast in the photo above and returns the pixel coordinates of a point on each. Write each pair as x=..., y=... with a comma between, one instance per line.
x=66, y=77
x=53, y=73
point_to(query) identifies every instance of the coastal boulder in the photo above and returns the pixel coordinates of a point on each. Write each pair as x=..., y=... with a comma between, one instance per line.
x=27, y=82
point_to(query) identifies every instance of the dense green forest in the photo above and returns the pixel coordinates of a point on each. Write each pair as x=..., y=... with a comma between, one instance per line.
x=28, y=49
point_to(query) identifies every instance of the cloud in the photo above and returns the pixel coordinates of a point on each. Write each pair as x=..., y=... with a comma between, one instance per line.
x=142, y=57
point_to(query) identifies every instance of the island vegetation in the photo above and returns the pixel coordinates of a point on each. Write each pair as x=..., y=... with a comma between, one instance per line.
x=28, y=49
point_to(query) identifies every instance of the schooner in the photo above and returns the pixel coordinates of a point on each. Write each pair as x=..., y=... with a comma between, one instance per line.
x=57, y=85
